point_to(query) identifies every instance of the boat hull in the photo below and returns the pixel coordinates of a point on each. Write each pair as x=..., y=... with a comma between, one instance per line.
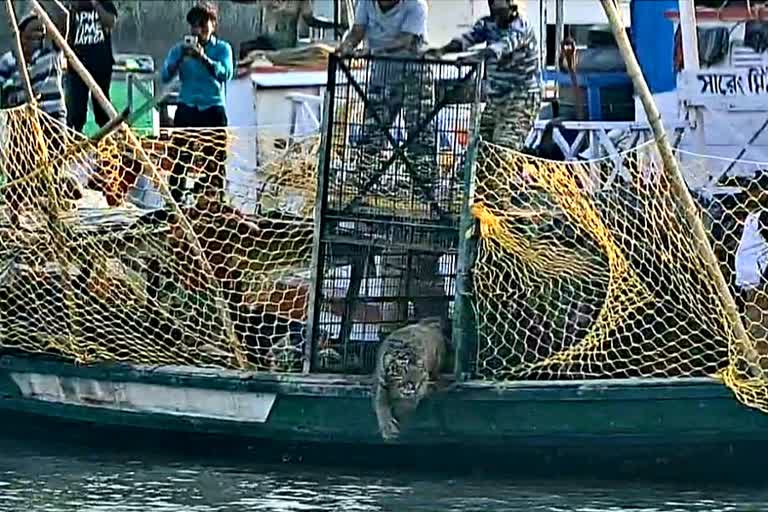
x=638, y=427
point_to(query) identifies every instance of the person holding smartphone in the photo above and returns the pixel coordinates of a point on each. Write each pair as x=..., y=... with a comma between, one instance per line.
x=204, y=64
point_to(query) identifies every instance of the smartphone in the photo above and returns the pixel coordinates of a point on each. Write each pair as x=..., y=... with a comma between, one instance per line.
x=190, y=40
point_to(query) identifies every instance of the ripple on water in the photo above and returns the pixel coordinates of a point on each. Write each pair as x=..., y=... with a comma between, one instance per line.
x=95, y=482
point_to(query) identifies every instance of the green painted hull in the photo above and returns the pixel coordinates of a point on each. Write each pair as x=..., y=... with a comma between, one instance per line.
x=522, y=426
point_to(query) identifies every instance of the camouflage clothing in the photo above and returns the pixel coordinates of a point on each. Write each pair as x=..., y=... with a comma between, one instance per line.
x=513, y=88
x=516, y=65
x=508, y=120
x=399, y=88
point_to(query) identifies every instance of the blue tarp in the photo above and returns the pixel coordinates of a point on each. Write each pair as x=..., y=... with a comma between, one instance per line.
x=654, y=42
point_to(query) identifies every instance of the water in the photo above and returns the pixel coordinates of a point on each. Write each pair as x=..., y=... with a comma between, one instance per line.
x=43, y=477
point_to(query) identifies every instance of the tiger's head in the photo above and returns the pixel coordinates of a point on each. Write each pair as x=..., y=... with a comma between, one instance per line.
x=408, y=378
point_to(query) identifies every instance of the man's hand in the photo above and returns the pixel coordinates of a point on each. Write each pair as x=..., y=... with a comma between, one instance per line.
x=195, y=51
x=343, y=51
x=479, y=56
x=346, y=52
x=434, y=53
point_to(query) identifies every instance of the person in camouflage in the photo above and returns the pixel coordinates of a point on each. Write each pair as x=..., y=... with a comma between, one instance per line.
x=513, y=87
x=398, y=28
x=395, y=28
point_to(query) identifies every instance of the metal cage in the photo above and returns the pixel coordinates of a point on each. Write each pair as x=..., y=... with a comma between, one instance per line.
x=390, y=198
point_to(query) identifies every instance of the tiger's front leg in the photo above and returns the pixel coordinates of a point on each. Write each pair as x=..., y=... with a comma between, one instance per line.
x=388, y=425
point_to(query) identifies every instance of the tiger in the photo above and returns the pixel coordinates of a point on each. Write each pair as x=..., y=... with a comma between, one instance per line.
x=407, y=361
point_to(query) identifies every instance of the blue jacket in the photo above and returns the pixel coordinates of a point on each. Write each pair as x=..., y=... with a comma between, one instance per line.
x=201, y=88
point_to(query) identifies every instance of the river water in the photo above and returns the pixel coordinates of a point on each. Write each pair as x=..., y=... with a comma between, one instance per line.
x=40, y=476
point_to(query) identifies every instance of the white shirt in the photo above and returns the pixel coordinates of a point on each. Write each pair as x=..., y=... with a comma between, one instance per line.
x=751, y=254
x=382, y=28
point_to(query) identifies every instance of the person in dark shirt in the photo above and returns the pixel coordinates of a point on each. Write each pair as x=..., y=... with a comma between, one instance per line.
x=203, y=68
x=90, y=36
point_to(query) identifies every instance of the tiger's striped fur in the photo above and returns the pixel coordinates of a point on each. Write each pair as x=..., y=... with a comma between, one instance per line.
x=406, y=362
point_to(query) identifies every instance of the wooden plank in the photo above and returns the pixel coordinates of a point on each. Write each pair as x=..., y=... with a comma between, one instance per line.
x=563, y=144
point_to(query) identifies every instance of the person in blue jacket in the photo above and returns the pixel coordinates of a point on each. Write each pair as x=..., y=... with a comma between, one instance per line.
x=204, y=64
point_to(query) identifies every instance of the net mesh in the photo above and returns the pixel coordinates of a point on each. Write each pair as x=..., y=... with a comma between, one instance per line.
x=217, y=277
x=160, y=251
x=590, y=270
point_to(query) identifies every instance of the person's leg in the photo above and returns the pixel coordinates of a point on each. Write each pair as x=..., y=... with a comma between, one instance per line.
x=77, y=102
x=103, y=78
x=418, y=104
x=184, y=118
x=214, y=148
x=383, y=107
x=426, y=284
x=516, y=119
x=493, y=110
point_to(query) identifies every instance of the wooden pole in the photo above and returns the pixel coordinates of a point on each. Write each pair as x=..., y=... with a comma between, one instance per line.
x=21, y=62
x=144, y=158
x=543, y=35
x=559, y=31
x=689, y=35
x=49, y=180
x=679, y=188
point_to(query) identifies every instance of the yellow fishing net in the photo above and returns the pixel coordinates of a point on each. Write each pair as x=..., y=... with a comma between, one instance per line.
x=591, y=270
x=581, y=270
x=217, y=277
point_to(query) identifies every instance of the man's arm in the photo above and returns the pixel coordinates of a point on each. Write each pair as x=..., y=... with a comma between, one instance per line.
x=107, y=13
x=513, y=41
x=6, y=68
x=308, y=15
x=353, y=38
x=220, y=64
x=414, y=26
x=476, y=35
x=171, y=64
x=356, y=34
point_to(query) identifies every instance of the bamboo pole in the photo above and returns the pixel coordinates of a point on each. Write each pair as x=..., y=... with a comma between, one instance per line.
x=144, y=158
x=21, y=62
x=679, y=188
x=47, y=169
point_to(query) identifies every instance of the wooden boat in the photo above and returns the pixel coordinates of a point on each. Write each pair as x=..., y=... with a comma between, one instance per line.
x=633, y=427
x=670, y=427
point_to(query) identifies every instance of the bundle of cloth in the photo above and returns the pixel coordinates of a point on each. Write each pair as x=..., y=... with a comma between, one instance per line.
x=314, y=55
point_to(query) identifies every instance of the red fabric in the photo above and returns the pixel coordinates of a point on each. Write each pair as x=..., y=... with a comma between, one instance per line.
x=678, y=54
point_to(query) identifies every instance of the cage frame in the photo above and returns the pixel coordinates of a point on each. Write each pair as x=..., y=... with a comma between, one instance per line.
x=471, y=78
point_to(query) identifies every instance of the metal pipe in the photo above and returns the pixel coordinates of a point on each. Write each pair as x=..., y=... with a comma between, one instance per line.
x=690, y=40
